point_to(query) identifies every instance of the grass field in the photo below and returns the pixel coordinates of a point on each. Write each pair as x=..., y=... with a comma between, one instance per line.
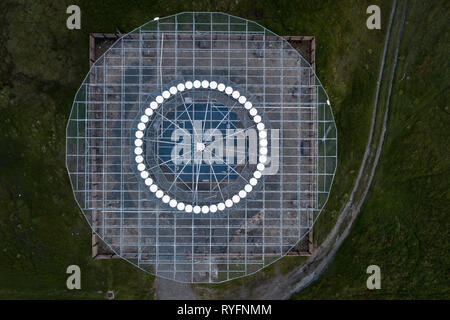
x=403, y=228
x=404, y=225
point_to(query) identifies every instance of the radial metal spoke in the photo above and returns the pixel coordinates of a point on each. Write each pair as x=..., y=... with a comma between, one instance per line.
x=176, y=119
x=176, y=178
x=225, y=163
x=218, y=184
x=224, y=117
x=170, y=142
x=172, y=122
x=189, y=116
x=160, y=164
x=174, y=173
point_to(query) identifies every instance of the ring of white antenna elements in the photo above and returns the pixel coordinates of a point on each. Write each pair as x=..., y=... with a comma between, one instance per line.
x=188, y=85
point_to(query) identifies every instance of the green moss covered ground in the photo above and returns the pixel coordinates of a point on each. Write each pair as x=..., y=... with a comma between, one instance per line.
x=403, y=227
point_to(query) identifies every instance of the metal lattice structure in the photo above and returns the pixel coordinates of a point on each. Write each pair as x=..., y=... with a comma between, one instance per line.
x=201, y=147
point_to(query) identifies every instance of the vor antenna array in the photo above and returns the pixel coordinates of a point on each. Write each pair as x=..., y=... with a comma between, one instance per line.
x=201, y=147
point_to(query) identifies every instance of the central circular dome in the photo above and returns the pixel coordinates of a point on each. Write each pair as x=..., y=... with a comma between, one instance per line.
x=183, y=150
